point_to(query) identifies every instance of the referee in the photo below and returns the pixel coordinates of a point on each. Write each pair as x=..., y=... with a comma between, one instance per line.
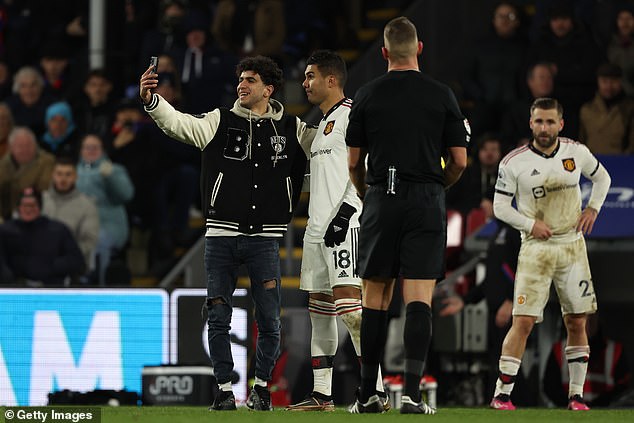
x=404, y=122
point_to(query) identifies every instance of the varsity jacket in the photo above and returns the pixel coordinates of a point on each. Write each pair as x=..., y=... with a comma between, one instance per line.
x=252, y=166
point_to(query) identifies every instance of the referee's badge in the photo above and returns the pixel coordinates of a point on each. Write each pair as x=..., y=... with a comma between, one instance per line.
x=329, y=126
x=467, y=128
x=569, y=164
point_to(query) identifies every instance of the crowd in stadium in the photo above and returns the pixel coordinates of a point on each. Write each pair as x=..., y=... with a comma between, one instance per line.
x=83, y=167
x=47, y=87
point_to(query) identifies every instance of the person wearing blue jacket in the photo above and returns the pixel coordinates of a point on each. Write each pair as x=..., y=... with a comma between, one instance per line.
x=110, y=186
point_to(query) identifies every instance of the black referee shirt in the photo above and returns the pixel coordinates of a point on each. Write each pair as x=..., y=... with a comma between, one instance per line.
x=407, y=120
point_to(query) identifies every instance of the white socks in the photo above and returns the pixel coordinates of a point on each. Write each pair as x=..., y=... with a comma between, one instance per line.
x=323, y=344
x=509, y=366
x=577, y=358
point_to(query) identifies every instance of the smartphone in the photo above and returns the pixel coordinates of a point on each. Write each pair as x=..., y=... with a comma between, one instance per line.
x=154, y=63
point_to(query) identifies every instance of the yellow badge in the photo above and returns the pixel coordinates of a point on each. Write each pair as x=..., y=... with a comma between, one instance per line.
x=569, y=164
x=521, y=299
x=329, y=126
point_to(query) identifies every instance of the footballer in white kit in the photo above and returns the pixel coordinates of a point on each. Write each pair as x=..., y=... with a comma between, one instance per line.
x=547, y=188
x=543, y=177
x=329, y=261
x=324, y=267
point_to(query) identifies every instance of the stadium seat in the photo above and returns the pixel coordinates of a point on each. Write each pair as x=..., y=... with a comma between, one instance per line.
x=475, y=219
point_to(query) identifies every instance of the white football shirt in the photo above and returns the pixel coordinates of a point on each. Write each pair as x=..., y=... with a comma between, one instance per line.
x=546, y=187
x=330, y=181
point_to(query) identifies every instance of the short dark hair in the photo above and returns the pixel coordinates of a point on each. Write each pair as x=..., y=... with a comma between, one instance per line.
x=65, y=161
x=97, y=73
x=266, y=67
x=329, y=63
x=546, y=103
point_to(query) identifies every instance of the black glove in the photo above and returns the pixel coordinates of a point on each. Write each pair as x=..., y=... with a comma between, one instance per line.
x=338, y=227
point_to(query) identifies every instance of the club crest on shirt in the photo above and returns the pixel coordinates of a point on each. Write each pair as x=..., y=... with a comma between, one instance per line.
x=521, y=299
x=569, y=164
x=278, y=143
x=329, y=127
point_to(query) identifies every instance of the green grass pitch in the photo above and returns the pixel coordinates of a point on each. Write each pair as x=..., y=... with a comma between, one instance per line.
x=242, y=415
x=462, y=415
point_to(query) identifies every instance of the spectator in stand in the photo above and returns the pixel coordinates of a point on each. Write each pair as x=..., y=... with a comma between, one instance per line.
x=494, y=70
x=110, y=186
x=608, y=372
x=55, y=70
x=129, y=142
x=167, y=36
x=28, y=102
x=166, y=64
x=540, y=80
x=251, y=27
x=6, y=126
x=94, y=110
x=207, y=74
x=621, y=46
x=25, y=165
x=64, y=202
x=269, y=29
x=607, y=122
x=167, y=69
x=38, y=250
x=476, y=186
x=575, y=55
x=60, y=137
x=225, y=26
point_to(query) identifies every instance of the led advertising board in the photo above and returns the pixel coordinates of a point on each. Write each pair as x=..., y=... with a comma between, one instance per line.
x=78, y=339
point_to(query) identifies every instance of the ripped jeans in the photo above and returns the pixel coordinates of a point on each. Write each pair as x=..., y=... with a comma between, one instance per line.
x=223, y=256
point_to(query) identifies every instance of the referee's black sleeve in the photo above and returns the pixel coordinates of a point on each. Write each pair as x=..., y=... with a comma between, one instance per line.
x=456, y=132
x=355, y=134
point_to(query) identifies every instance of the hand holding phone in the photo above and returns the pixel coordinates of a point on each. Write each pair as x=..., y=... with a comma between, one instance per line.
x=154, y=64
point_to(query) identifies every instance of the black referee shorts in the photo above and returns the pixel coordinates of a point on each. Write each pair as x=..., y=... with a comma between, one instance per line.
x=403, y=234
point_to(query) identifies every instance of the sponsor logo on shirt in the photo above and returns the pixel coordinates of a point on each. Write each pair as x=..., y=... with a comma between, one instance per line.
x=539, y=192
x=320, y=152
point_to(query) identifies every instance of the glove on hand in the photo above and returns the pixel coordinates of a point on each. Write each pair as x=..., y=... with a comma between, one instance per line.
x=338, y=227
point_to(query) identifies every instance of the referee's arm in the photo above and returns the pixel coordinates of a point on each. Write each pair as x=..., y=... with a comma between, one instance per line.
x=456, y=164
x=356, y=167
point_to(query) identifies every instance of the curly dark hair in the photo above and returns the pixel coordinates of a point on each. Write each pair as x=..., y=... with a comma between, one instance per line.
x=268, y=70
